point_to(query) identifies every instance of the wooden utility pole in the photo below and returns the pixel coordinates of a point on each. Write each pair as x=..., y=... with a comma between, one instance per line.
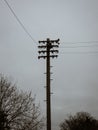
x=47, y=49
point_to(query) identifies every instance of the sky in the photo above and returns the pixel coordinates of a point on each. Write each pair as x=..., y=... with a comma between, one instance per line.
x=75, y=71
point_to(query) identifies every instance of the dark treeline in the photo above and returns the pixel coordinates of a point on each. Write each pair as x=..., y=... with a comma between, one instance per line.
x=18, y=110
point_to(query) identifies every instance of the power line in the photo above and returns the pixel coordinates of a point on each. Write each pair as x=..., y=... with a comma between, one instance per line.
x=88, y=52
x=78, y=46
x=89, y=42
x=21, y=24
x=24, y=28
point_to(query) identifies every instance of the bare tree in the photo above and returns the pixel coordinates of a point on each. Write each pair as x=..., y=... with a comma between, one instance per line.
x=81, y=121
x=17, y=108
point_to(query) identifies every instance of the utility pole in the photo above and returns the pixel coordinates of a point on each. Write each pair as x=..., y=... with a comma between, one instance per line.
x=48, y=51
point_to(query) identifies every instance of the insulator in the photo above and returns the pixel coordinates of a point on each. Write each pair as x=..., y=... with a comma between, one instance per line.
x=44, y=42
x=52, y=41
x=39, y=52
x=38, y=57
x=57, y=40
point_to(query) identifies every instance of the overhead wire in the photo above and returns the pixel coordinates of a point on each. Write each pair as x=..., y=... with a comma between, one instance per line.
x=78, y=45
x=64, y=43
x=88, y=52
x=19, y=21
x=89, y=42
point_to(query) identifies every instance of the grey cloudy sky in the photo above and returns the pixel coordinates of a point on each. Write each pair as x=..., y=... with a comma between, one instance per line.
x=75, y=84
